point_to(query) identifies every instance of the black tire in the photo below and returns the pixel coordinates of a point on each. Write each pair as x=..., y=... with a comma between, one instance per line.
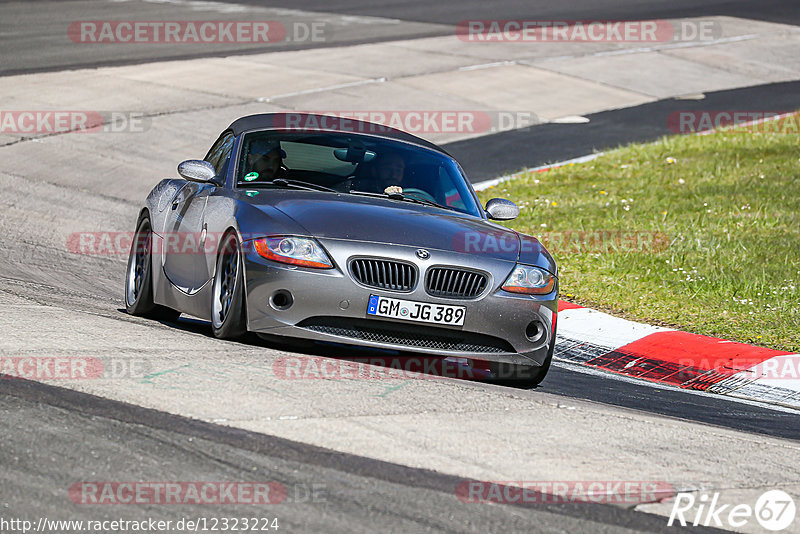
x=523, y=376
x=139, y=277
x=228, y=315
x=542, y=373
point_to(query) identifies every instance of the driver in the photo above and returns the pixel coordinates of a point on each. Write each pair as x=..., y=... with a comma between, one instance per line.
x=389, y=171
x=389, y=176
x=266, y=159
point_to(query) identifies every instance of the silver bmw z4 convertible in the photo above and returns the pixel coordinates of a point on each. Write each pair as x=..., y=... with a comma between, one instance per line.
x=317, y=228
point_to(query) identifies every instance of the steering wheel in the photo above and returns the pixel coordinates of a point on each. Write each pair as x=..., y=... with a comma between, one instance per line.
x=419, y=193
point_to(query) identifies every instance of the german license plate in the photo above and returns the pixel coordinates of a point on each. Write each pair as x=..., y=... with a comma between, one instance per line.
x=421, y=312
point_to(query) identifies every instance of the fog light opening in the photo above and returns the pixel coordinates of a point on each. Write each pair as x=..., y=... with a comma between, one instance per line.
x=536, y=332
x=281, y=300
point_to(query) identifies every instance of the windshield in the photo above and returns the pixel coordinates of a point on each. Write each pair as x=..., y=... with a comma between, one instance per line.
x=355, y=164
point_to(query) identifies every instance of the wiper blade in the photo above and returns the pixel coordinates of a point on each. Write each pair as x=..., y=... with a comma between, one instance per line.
x=302, y=185
x=282, y=182
x=401, y=196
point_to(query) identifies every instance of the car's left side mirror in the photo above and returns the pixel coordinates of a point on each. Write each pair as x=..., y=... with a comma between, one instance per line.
x=501, y=209
x=197, y=170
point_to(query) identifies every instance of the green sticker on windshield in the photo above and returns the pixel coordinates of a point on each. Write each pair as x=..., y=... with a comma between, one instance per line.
x=250, y=176
x=251, y=193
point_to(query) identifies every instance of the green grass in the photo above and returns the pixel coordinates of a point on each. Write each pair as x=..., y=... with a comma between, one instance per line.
x=724, y=210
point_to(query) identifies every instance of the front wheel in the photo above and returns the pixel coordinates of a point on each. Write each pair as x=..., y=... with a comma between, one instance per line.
x=228, y=317
x=524, y=376
x=139, y=277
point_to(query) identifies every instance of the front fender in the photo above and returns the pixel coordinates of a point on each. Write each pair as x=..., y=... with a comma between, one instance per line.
x=228, y=211
x=159, y=199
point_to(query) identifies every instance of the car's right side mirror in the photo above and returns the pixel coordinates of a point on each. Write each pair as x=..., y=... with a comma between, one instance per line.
x=501, y=209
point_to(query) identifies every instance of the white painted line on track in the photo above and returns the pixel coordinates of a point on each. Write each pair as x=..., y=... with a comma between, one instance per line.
x=480, y=186
x=648, y=49
x=321, y=89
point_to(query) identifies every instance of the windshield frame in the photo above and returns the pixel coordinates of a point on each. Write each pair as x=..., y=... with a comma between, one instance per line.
x=468, y=193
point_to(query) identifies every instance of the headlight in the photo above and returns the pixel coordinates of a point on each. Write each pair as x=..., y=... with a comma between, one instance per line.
x=300, y=251
x=529, y=280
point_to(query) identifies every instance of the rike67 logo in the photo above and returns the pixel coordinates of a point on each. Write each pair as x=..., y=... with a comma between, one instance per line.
x=774, y=510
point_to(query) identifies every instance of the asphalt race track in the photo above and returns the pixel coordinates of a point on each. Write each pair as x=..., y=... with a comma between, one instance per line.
x=34, y=41
x=352, y=493
x=352, y=455
x=550, y=143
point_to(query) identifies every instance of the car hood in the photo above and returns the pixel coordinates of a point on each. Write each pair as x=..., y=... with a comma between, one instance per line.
x=366, y=219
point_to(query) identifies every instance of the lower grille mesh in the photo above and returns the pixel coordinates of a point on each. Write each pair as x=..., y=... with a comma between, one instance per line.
x=407, y=336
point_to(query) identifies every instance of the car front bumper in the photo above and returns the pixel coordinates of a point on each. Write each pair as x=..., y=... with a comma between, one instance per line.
x=329, y=305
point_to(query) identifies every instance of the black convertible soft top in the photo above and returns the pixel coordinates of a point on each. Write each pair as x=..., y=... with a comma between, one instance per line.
x=296, y=121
